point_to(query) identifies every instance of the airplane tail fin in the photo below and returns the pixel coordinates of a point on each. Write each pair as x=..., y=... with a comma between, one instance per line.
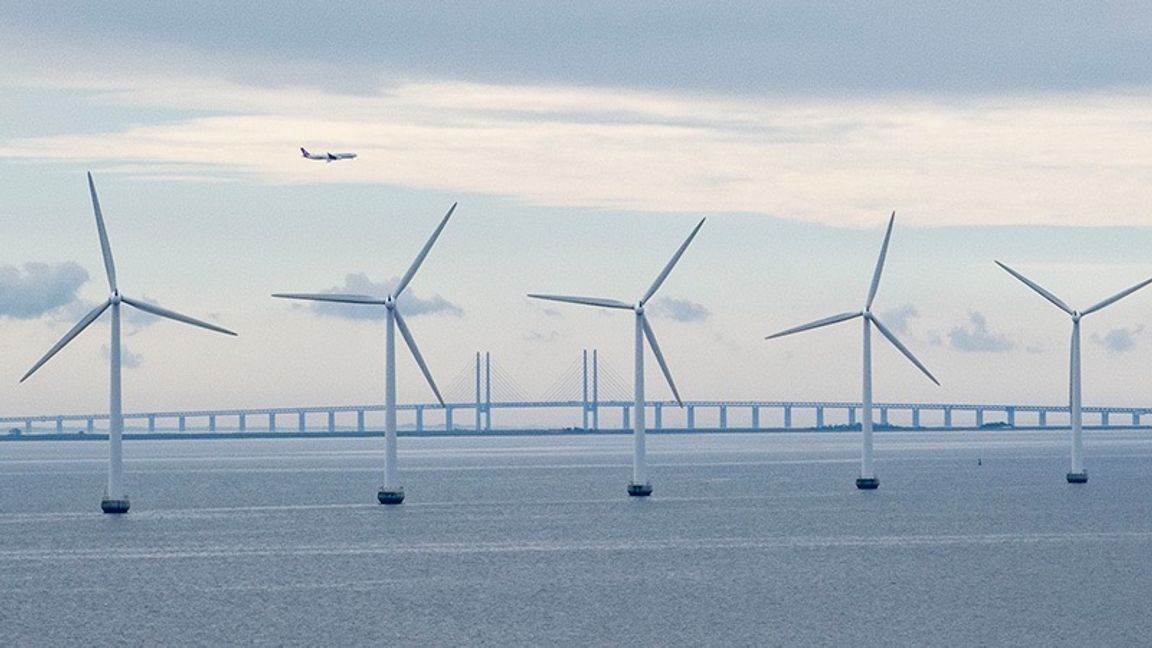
x=303, y=151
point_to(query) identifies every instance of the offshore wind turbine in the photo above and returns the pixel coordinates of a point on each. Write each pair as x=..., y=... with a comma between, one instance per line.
x=867, y=479
x=1077, y=474
x=115, y=500
x=391, y=492
x=640, y=486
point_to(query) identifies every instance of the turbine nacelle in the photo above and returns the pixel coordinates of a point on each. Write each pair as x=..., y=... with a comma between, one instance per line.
x=115, y=298
x=638, y=308
x=866, y=314
x=390, y=303
x=1076, y=315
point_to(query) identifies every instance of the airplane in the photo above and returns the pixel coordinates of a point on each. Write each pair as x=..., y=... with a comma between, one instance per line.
x=327, y=157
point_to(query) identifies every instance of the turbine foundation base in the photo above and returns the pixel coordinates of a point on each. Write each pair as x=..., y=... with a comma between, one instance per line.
x=1078, y=478
x=639, y=490
x=114, y=506
x=390, y=495
x=867, y=483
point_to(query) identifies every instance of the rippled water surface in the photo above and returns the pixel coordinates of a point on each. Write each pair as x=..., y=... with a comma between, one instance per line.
x=749, y=539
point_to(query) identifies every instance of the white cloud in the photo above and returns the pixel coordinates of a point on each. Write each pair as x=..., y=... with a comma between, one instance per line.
x=39, y=288
x=995, y=160
x=977, y=338
x=681, y=310
x=128, y=359
x=359, y=284
x=1119, y=340
x=897, y=318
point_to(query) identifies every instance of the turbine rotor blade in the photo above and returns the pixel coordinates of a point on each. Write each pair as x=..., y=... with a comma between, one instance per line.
x=835, y=319
x=671, y=263
x=173, y=315
x=903, y=349
x=880, y=264
x=411, y=342
x=69, y=336
x=1115, y=298
x=1056, y=301
x=332, y=297
x=105, y=247
x=648, y=333
x=423, y=253
x=586, y=301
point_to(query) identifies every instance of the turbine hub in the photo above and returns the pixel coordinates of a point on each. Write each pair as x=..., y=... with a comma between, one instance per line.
x=390, y=303
x=639, y=308
x=116, y=297
x=1076, y=316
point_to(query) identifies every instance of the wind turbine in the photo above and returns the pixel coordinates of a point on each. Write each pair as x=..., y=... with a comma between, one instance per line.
x=115, y=500
x=391, y=492
x=867, y=480
x=1078, y=475
x=639, y=486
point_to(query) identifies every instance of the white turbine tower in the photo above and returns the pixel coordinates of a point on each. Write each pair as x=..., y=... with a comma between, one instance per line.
x=1078, y=475
x=115, y=500
x=867, y=480
x=639, y=486
x=391, y=492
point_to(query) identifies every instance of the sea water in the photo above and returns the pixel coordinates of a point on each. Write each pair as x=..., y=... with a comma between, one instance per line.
x=749, y=540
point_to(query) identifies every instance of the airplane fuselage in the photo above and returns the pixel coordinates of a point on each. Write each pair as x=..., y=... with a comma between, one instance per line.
x=327, y=157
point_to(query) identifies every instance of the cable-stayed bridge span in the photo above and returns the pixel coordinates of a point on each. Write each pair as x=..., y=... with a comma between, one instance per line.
x=599, y=405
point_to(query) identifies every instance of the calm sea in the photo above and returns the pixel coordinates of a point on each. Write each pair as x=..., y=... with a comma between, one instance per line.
x=749, y=540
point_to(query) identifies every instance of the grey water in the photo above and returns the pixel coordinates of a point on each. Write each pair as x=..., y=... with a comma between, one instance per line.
x=748, y=540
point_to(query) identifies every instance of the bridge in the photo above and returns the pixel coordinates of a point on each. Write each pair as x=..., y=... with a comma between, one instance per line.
x=475, y=414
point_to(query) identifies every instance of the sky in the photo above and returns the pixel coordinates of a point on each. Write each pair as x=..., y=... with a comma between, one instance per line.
x=582, y=142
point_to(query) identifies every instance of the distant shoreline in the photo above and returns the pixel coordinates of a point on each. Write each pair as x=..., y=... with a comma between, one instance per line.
x=164, y=436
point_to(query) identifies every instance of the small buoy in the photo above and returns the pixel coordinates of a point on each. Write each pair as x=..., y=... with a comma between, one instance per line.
x=978, y=461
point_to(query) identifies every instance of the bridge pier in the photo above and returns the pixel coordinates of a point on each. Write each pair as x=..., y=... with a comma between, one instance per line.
x=272, y=422
x=1042, y=419
x=691, y=417
x=360, y=421
x=1104, y=419
x=183, y=424
x=487, y=391
x=448, y=419
x=91, y=426
x=28, y=426
x=1010, y=415
x=302, y=422
x=788, y=417
x=242, y=423
x=723, y=417
x=211, y=422
x=979, y=417
x=657, y=416
x=1135, y=418
x=419, y=419
x=627, y=418
x=755, y=418
x=331, y=421
x=479, y=409
x=851, y=416
x=819, y=417
x=59, y=425
x=916, y=417
x=947, y=417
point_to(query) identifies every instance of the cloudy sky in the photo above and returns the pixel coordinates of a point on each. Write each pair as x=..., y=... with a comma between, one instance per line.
x=583, y=142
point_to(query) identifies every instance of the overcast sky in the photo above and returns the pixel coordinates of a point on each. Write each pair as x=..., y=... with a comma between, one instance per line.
x=582, y=142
